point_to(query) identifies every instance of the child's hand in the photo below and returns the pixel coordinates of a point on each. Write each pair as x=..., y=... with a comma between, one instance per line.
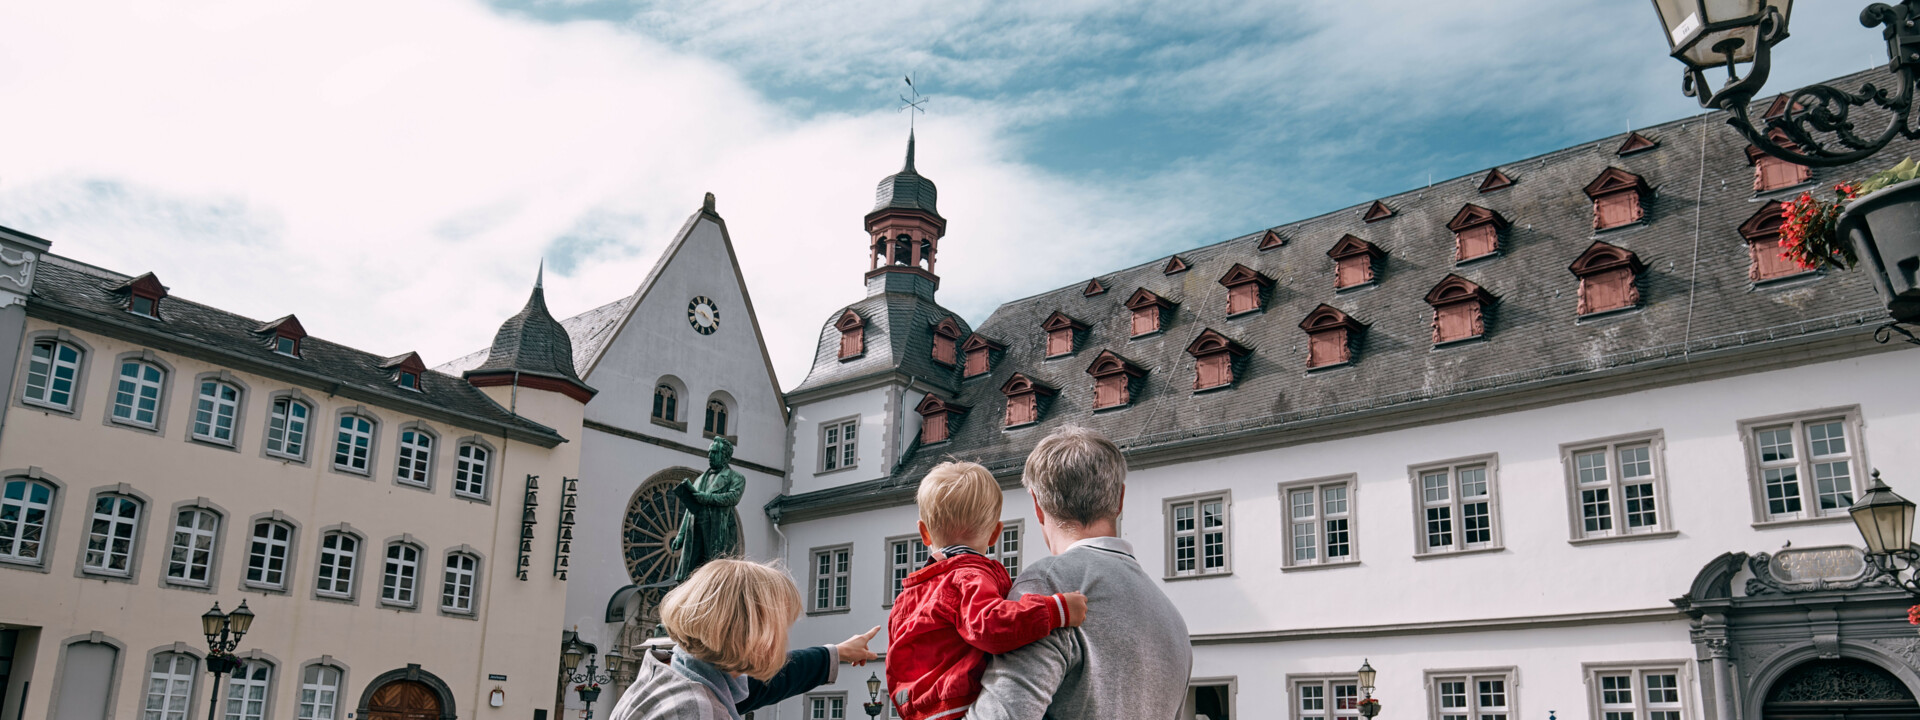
x=1076, y=608
x=855, y=651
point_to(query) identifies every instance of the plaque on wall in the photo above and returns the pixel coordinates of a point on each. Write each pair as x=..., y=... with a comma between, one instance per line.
x=1798, y=570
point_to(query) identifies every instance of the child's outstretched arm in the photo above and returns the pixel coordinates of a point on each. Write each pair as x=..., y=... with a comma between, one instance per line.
x=996, y=625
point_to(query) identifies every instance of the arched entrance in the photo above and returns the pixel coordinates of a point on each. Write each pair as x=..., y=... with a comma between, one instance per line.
x=1839, y=689
x=406, y=694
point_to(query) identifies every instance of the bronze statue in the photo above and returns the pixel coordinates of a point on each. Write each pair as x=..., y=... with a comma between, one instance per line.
x=708, y=528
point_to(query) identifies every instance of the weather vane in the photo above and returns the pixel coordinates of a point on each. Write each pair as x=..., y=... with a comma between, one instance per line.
x=915, y=103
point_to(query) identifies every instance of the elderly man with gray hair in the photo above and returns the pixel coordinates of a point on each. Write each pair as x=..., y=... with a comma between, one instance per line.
x=1132, y=657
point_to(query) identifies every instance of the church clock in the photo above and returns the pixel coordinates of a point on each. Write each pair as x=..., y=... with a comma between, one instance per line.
x=703, y=315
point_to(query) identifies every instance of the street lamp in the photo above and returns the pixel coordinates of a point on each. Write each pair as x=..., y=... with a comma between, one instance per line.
x=223, y=631
x=873, y=706
x=1368, y=706
x=1709, y=34
x=589, y=678
x=1886, y=523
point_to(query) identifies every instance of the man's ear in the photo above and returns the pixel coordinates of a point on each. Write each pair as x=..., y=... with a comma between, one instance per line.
x=1123, y=498
x=1041, y=515
x=925, y=538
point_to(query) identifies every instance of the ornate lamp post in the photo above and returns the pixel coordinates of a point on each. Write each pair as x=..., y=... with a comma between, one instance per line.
x=589, y=678
x=1368, y=706
x=223, y=631
x=873, y=706
x=1886, y=522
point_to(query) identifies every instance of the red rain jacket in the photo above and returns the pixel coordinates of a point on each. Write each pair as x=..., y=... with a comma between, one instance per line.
x=949, y=617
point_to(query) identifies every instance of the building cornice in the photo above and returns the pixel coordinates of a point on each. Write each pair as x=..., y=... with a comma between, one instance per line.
x=1526, y=622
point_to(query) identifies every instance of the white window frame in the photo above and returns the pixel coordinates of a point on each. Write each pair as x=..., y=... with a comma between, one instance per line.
x=1475, y=709
x=917, y=555
x=193, y=547
x=471, y=463
x=821, y=705
x=1451, y=500
x=338, y=569
x=1320, y=522
x=170, y=687
x=243, y=690
x=839, y=440
x=22, y=508
x=261, y=555
x=1200, y=533
x=1637, y=703
x=413, y=458
x=129, y=391
x=210, y=410
x=400, y=576
x=119, y=540
x=319, y=688
x=1591, y=486
x=49, y=370
x=838, y=577
x=457, y=583
x=287, y=435
x=1317, y=697
x=1010, y=559
x=1804, y=463
x=348, y=438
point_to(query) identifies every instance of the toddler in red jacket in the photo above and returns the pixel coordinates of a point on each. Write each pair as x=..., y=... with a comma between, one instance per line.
x=953, y=613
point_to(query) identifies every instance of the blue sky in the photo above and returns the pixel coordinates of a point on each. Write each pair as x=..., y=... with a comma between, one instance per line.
x=394, y=182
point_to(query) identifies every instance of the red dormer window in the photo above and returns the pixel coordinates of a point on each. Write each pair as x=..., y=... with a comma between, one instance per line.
x=1271, y=240
x=1636, y=143
x=1495, y=180
x=1617, y=196
x=1214, y=358
x=1246, y=289
x=938, y=419
x=1175, y=266
x=1476, y=232
x=1376, y=212
x=979, y=351
x=946, y=342
x=1331, y=335
x=1114, y=380
x=1024, y=400
x=406, y=370
x=1353, y=261
x=1063, y=334
x=1762, y=234
x=853, y=341
x=284, y=335
x=1149, y=312
x=1459, y=310
x=1093, y=288
x=1772, y=173
x=144, y=294
x=1607, y=278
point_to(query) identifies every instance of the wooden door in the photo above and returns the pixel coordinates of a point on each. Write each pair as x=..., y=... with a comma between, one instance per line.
x=404, y=700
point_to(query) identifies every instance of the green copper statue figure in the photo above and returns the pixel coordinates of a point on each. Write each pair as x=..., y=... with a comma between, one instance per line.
x=708, y=529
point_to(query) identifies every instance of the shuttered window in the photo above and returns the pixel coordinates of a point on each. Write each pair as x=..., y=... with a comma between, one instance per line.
x=1772, y=173
x=1060, y=342
x=1243, y=298
x=1146, y=320
x=1610, y=290
x=1327, y=348
x=943, y=349
x=852, y=342
x=976, y=362
x=933, y=428
x=1352, y=271
x=1617, y=209
x=1473, y=242
x=1458, y=321
x=1213, y=371
x=1022, y=409
x=1110, y=391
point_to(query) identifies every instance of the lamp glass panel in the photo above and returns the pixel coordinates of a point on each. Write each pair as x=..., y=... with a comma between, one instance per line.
x=1868, y=522
x=571, y=656
x=1896, y=526
x=210, y=622
x=241, y=618
x=1680, y=18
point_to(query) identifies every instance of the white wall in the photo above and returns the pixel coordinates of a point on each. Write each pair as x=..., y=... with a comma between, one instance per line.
x=871, y=406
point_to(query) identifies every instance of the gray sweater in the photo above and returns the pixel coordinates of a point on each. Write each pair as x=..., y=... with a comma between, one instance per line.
x=1130, y=661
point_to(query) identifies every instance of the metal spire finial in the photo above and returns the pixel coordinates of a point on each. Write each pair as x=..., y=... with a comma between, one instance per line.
x=540, y=277
x=915, y=103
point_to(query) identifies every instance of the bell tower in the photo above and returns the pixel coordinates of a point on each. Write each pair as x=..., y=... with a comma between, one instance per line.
x=904, y=231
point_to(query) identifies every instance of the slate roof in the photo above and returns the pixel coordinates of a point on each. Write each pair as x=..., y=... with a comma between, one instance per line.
x=76, y=293
x=532, y=342
x=1532, y=330
x=899, y=338
x=906, y=189
x=588, y=333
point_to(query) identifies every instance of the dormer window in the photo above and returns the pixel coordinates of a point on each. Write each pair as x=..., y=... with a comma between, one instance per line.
x=1617, y=197
x=1215, y=358
x=1093, y=288
x=946, y=342
x=410, y=381
x=1376, y=212
x=1607, y=278
x=1636, y=143
x=1025, y=399
x=406, y=370
x=938, y=419
x=1495, y=180
x=1331, y=337
x=144, y=294
x=1063, y=334
x=1149, y=312
x=1175, y=266
x=979, y=352
x=1476, y=232
x=1271, y=240
x=852, y=327
x=1771, y=173
x=1353, y=262
x=1115, y=379
x=1459, y=310
x=1762, y=233
x=284, y=335
x=1246, y=289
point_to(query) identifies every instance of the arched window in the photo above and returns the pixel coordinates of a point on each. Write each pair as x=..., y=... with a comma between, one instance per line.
x=319, y=693
x=353, y=445
x=247, y=691
x=190, y=558
x=339, y=559
x=169, y=686
x=400, y=578
x=415, y=458
x=214, y=411
x=24, y=507
x=666, y=403
x=716, y=418
x=136, y=397
x=115, y=522
x=287, y=428
x=267, y=554
x=51, y=374
x=456, y=591
x=470, y=471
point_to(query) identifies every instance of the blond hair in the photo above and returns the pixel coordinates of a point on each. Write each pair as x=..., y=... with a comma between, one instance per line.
x=1075, y=475
x=959, y=501
x=734, y=614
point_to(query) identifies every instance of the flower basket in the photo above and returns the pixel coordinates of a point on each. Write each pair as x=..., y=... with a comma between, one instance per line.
x=589, y=694
x=1884, y=227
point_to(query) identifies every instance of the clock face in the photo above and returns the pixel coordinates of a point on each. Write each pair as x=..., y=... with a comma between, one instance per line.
x=703, y=315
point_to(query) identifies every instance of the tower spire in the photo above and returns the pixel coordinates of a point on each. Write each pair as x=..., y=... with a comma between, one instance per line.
x=540, y=277
x=909, y=167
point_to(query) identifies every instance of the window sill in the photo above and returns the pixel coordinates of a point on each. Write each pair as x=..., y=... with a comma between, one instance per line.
x=263, y=589
x=27, y=565
x=1204, y=576
x=172, y=584
x=215, y=444
x=1606, y=314
x=472, y=498
x=46, y=407
x=341, y=599
x=1764, y=524
x=1337, y=290
x=1463, y=262
x=460, y=614
x=1606, y=539
x=1320, y=566
x=105, y=576
x=428, y=489
x=841, y=469
x=849, y=358
x=131, y=425
x=1312, y=370
x=1246, y=313
x=1786, y=280
x=1061, y=356
x=350, y=471
x=1437, y=554
x=1098, y=410
x=1461, y=341
x=1023, y=425
x=839, y=611
x=397, y=607
x=1145, y=335
x=1780, y=192
x=670, y=424
x=1213, y=388
x=271, y=455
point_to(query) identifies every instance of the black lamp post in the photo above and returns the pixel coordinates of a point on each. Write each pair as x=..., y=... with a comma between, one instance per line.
x=223, y=631
x=1886, y=522
x=1368, y=706
x=589, y=678
x=873, y=706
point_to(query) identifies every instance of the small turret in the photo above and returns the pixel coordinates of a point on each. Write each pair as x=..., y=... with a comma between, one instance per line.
x=532, y=350
x=904, y=231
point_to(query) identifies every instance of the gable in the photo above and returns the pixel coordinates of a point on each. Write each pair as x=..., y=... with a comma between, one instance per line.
x=1636, y=143
x=1495, y=180
x=1349, y=246
x=1376, y=212
x=1472, y=215
x=1271, y=240
x=1613, y=180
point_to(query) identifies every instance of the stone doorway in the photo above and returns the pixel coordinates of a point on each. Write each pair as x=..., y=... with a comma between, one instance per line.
x=1839, y=689
x=403, y=700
